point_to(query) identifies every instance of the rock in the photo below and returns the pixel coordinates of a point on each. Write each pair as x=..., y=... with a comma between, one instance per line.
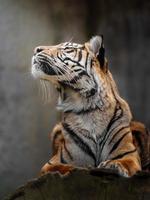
x=85, y=184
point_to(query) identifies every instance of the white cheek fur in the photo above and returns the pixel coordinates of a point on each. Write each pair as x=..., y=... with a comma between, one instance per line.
x=36, y=72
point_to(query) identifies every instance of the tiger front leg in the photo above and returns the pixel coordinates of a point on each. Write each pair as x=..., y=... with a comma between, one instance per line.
x=125, y=160
x=62, y=169
x=56, y=163
x=126, y=166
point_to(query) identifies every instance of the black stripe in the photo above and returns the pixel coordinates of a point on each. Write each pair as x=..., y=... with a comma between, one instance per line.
x=62, y=160
x=75, y=52
x=82, y=47
x=91, y=63
x=70, y=50
x=138, y=139
x=112, y=121
x=79, y=56
x=86, y=60
x=117, y=133
x=66, y=84
x=147, y=131
x=114, y=118
x=82, y=73
x=107, y=132
x=65, y=59
x=77, y=77
x=115, y=146
x=83, y=111
x=123, y=154
x=59, y=57
x=76, y=70
x=69, y=154
x=79, y=142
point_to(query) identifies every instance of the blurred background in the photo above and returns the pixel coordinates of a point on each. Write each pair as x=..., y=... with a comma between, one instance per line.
x=25, y=120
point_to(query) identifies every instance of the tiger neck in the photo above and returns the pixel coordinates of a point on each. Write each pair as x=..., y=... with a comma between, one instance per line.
x=89, y=116
x=71, y=101
x=92, y=116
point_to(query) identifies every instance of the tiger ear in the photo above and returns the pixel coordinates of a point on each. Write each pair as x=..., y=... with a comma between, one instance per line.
x=96, y=45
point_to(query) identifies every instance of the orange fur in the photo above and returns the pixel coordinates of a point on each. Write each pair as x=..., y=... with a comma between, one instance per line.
x=57, y=168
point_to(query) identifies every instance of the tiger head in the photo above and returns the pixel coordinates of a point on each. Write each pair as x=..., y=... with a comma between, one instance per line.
x=77, y=68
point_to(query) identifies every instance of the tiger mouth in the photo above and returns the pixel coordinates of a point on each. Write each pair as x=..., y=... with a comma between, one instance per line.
x=48, y=70
x=41, y=67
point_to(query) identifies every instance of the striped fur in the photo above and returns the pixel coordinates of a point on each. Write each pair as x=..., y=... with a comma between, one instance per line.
x=141, y=139
x=95, y=130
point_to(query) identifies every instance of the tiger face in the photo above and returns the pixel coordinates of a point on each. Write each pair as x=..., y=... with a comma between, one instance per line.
x=71, y=65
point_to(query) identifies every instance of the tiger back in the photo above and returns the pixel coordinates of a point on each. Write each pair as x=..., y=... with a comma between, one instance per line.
x=95, y=130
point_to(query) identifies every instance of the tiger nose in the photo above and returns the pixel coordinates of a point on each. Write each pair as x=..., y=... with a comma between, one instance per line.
x=38, y=50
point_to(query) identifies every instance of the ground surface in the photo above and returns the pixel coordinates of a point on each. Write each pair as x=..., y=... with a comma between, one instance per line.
x=84, y=184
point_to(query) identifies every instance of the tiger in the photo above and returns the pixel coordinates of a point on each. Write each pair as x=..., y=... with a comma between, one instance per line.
x=96, y=130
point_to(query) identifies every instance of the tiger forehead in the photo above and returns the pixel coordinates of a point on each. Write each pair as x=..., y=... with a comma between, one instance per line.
x=50, y=51
x=68, y=45
x=63, y=46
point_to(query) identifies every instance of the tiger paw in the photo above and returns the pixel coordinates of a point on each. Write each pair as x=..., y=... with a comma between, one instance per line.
x=116, y=166
x=62, y=169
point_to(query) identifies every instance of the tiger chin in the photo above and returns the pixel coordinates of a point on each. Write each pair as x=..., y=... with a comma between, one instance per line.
x=96, y=130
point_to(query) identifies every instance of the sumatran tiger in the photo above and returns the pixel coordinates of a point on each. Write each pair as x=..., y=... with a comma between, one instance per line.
x=96, y=130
